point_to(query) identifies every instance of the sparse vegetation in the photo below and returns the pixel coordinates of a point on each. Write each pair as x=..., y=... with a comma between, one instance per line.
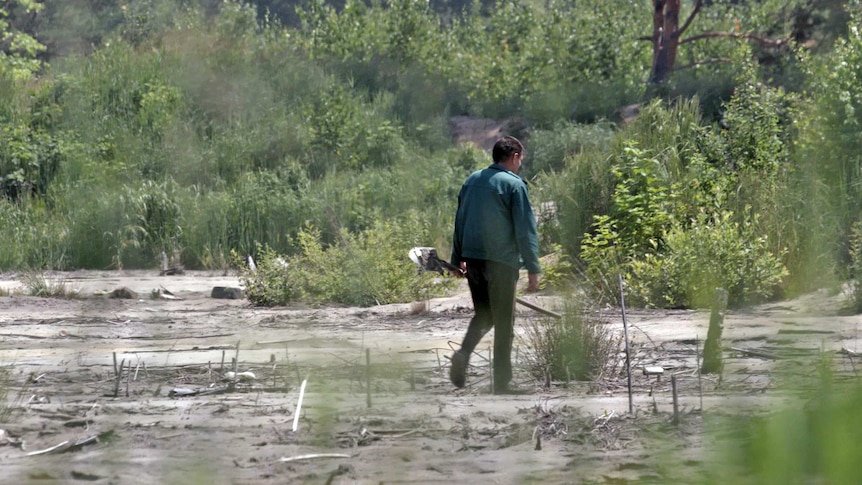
x=366, y=269
x=578, y=346
x=39, y=284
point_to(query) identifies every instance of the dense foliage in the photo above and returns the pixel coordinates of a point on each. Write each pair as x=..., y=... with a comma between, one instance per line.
x=319, y=134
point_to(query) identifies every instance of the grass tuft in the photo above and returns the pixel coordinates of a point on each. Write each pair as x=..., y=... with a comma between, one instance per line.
x=576, y=347
x=38, y=284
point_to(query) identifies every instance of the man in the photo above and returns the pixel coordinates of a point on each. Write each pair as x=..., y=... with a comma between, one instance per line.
x=495, y=233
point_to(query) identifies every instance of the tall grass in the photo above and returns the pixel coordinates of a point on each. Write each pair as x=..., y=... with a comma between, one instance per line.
x=576, y=347
x=810, y=438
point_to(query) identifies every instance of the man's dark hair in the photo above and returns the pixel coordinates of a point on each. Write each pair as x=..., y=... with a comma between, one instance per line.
x=505, y=148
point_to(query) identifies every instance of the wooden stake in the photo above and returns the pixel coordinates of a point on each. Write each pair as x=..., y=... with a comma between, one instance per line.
x=115, y=364
x=128, y=377
x=368, y=376
x=117, y=380
x=491, y=367
x=675, y=400
x=626, y=337
x=236, y=359
x=699, y=380
x=221, y=368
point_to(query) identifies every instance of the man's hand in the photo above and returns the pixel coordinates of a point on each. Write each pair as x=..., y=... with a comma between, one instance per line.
x=462, y=271
x=532, y=282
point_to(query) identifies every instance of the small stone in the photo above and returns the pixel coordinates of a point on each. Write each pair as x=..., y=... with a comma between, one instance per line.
x=226, y=293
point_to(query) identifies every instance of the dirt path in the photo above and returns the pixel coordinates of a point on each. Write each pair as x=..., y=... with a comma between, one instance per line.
x=174, y=419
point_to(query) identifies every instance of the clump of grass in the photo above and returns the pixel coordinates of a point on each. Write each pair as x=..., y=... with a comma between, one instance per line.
x=5, y=409
x=8, y=408
x=576, y=347
x=37, y=284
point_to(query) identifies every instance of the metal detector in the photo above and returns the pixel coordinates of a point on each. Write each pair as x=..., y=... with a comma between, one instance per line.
x=427, y=260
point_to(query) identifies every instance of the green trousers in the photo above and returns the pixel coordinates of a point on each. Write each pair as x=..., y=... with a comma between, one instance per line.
x=492, y=286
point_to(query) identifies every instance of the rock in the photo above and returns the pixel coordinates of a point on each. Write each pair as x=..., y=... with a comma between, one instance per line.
x=174, y=270
x=226, y=293
x=123, y=293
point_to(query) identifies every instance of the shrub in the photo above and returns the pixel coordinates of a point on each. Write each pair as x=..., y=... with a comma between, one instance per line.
x=715, y=251
x=549, y=150
x=641, y=210
x=367, y=268
x=270, y=283
x=557, y=269
x=578, y=346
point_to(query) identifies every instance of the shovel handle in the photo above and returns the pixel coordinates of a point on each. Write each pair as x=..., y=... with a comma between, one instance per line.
x=537, y=308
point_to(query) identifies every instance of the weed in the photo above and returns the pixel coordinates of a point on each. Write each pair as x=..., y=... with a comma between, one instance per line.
x=38, y=284
x=578, y=346
x=8, y=407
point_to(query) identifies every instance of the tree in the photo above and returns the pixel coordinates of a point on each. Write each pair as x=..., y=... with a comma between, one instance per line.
x=667, y=36
x=18, y=49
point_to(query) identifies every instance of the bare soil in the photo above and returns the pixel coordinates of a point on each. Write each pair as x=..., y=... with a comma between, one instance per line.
x=135, y=391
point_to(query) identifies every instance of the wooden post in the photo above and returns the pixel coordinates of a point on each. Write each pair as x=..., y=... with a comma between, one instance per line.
x=118, y=377
x=675, y=400
x=626, y=337
x=699, y=373
x=491, y=368
x=712, y=361
x=128, y=377
x=368, y=377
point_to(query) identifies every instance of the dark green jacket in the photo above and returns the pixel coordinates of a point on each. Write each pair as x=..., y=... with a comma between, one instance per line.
x=495, y=220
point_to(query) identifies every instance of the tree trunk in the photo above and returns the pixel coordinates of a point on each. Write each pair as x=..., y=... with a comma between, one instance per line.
x=665, y=38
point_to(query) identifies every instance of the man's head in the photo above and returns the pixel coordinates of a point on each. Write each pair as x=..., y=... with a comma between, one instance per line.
x=508, y=151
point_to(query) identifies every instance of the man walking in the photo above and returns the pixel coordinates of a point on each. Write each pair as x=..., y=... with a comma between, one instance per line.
x=495, y=233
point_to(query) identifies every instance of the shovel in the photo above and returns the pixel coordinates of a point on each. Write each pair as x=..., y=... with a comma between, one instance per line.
x=427, y=260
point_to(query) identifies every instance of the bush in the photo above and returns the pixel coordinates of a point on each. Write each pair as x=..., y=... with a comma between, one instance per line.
x=362, y=269
x=549, y=150
x=578, y=346
x=641, y=210
x=270, y=283
x=713, y=252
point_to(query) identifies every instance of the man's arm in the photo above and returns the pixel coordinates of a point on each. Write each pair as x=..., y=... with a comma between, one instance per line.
x=526, y=234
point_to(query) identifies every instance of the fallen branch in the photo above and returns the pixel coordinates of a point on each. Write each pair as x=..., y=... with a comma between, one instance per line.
x=756, y=353
x=173, y=350
x=793, y=331
x=846, y=351
x=269, y=342
x=69, y=445
x=766, y=42
x=312, y=456
x=179, y=337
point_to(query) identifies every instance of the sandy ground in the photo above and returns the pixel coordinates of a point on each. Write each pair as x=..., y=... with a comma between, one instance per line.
x=169, y=415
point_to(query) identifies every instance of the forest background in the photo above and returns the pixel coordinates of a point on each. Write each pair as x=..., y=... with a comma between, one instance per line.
x=315, y=136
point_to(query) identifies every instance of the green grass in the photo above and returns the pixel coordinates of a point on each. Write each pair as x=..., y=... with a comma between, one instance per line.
x=39, y=284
